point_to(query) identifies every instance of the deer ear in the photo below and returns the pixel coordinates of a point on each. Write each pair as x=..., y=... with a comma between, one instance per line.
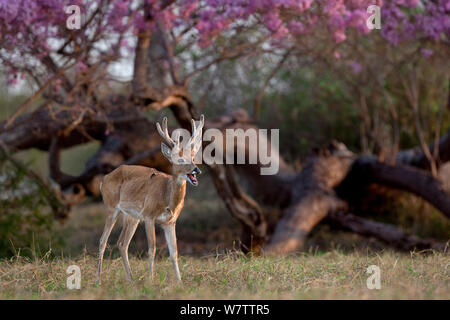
x=166, y=151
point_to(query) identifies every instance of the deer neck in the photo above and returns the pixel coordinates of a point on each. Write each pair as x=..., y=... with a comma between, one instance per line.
x=177, y=191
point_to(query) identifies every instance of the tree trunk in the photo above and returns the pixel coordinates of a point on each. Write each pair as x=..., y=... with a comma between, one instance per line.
x=318, y=190
x=389, y=234
x=242, y=207
x=313, y=198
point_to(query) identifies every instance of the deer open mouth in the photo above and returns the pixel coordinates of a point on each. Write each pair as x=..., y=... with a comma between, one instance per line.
x=192, y=178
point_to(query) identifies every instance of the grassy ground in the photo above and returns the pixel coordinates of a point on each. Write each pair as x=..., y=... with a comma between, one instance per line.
x=332, y=275
x=333, y=266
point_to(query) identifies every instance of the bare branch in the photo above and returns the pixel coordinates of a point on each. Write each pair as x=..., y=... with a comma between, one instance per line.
x=257, y=102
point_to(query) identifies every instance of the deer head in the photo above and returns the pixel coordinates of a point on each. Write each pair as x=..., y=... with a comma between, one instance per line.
x=182, y=158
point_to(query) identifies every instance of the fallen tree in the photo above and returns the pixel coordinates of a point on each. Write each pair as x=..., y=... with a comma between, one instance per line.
x=81, y=103
x=322, y=190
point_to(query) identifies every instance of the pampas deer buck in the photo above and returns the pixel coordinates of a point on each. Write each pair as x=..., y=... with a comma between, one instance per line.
x=142, y=193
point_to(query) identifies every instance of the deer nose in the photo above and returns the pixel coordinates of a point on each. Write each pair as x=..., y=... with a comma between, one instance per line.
x=196, y=171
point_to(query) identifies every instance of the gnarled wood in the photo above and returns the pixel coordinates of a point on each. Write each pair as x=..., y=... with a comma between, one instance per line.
x=128, y=137
x=389, y=234
x=242, y=207
x=313, y=198
x=415, y=157
x=367, y=170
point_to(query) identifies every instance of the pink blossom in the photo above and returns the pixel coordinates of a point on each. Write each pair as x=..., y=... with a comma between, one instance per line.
x=296, y=27
x=339, y=36
x=356, y=67
x=426, y=52
x=57, y=85
x=81, y=67
x=336, y=54
x=27, y=27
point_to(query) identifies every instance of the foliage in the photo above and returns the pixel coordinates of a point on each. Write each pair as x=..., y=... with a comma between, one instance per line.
x=314, y=107
x=113, y=23
x=339, y=80
x=361, y=74
x=26, y=220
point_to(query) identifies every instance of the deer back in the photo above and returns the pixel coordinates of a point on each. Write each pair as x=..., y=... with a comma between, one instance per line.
x=136, y=185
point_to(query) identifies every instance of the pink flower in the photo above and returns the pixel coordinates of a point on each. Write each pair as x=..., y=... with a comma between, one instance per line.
x=80, y=67
x=57, y=85
x=296, y=27
x=356, y=67
x=426, y=52
x=339, y=36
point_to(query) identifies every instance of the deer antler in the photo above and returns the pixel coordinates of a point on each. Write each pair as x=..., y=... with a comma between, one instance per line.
x=196, y=131
x=165, y=133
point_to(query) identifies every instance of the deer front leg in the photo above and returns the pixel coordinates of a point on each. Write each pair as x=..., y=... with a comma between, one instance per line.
x=150, y=231
x=110, y=221
x=171, y=238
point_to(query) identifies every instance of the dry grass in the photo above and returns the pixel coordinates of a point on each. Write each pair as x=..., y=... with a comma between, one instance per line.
x=333, y=275
x=334, y=267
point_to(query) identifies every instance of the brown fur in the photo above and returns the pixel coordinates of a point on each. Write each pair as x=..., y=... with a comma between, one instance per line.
x=142, y=193
x=144, y=189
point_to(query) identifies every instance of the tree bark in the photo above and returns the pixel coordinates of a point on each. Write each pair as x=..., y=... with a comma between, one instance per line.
x=415, y=157
x=367, y=170
x=312, y=199
x=317, y=191
x=242, y=207
x=389, y=234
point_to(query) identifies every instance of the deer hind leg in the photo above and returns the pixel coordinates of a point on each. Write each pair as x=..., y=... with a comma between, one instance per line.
x=150, y=231
x=129, y=228
x=171, y=238
x=110, y=222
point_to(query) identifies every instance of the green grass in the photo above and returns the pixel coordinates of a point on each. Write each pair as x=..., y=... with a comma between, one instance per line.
x=331, y=275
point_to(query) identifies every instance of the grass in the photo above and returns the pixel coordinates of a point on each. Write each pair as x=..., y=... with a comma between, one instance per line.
x=330, y=275
x=333, y=266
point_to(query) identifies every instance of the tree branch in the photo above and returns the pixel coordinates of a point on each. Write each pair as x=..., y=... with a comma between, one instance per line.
x=387, y=233
x=367, y=170
x=415, y=157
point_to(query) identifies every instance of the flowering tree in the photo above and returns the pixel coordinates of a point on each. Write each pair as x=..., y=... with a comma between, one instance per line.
x=168, y=43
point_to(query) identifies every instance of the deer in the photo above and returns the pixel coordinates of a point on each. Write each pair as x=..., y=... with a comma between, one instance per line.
x=145, y=194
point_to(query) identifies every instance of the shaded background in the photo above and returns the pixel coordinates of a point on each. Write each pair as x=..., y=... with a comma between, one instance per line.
x=375, y=94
